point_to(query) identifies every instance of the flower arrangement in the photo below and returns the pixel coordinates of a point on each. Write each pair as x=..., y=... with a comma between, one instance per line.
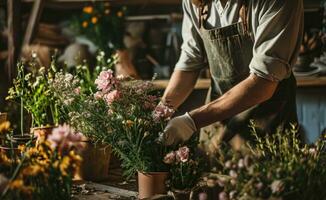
x=87, y=77
x=120, y=113
x=103, y=25
x=185, y=168
x=32, y=91
x=277, y=167
x=45, y=170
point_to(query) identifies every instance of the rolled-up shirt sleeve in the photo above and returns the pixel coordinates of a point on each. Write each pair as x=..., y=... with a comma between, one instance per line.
x=192, y=55
x=277, y=38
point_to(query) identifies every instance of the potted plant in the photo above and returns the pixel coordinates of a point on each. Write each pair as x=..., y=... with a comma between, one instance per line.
x=43, y=171
x=121, y=114
x=32, y=91
x=185, y=171
x=276, y=167
x=72, y=92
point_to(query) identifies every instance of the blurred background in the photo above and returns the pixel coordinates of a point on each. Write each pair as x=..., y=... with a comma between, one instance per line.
x=147, y=36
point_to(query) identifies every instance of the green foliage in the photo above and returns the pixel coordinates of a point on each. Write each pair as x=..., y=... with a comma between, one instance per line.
x=32, y=91
x=277, y=166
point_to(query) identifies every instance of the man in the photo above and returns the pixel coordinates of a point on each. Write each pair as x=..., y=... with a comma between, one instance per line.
x=250, y=47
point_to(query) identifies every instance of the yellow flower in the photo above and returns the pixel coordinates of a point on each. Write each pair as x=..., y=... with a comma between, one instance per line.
x=128, y=123
x=22, y=148
x=64, y=165
x=94, y=20
x=19, y=185
x=32, y=170
x=85, y=24
x=88, y=9
x=120, y=14
x=16, y=184
x=4, y=160
x=4, y=127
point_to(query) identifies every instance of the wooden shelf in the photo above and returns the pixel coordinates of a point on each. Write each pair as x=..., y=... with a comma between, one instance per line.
x=117, y=2
x=205, y=83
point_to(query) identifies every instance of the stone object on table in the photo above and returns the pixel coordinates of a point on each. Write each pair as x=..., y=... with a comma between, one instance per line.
x=315, y=68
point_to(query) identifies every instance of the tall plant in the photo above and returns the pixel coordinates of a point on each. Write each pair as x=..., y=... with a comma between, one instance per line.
x=32, y=91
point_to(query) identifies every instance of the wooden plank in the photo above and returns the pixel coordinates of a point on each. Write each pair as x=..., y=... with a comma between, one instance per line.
x=205, y=83
x=117, y=2
x=33, y=21
x=14, y=39
x=311, y=81
x=113, y=190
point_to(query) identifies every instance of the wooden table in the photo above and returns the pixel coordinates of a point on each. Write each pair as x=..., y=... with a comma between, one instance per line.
x=301, y=82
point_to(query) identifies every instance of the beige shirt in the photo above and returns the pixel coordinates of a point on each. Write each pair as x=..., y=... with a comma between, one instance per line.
x=277, y=27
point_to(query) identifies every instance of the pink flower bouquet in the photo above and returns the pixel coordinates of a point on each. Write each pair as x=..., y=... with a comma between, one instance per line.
x=123, y=113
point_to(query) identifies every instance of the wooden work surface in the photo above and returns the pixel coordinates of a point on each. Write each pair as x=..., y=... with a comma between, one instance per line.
x=301, y=82
x=114, y=187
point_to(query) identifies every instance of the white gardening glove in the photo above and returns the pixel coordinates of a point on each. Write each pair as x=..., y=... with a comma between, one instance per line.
x=178, y=130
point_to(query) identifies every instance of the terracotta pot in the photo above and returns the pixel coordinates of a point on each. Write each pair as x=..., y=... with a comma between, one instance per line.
x=16, y=140
x=181, y=194
x=3, y=117
x=22, y=139
x=95, y=162
x=10, y=151
x=150, y=184
x=42, y=131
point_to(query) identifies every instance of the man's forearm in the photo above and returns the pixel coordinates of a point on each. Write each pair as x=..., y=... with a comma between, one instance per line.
x=250, y=92
x=179, y=88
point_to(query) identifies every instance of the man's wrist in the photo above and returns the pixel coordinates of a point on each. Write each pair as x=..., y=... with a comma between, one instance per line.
x=191, y=122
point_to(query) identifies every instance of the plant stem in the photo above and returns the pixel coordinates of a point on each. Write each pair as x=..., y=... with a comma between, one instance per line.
x=21, y=116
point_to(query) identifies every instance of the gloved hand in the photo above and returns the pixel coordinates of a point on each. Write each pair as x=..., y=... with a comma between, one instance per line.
x=178, y=129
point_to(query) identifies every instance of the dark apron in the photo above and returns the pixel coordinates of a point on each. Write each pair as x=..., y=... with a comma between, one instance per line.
x=229, y=52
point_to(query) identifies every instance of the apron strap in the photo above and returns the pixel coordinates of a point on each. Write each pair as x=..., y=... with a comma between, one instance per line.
x=204, y=7
x=243, y=13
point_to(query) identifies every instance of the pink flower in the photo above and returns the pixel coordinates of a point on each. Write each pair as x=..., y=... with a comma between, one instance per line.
x=202, y=196
x=98, y=95
x=106, y=81
x=183, y=154
x=223, y=196
x=77, y=90
x=112, y=96
x=162, y=112
x=64, y=138
x=169, y=158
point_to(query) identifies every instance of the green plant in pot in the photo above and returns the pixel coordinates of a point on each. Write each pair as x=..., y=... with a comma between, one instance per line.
x=121, y=114
x=31, y=90
x=185, y=171
x=73, y=91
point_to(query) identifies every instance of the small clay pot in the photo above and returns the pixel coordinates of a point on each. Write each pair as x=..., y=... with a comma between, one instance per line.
x=151, y=184
x=3, y=117
x=95, y=162
x=11, y=146
x=22, y=139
